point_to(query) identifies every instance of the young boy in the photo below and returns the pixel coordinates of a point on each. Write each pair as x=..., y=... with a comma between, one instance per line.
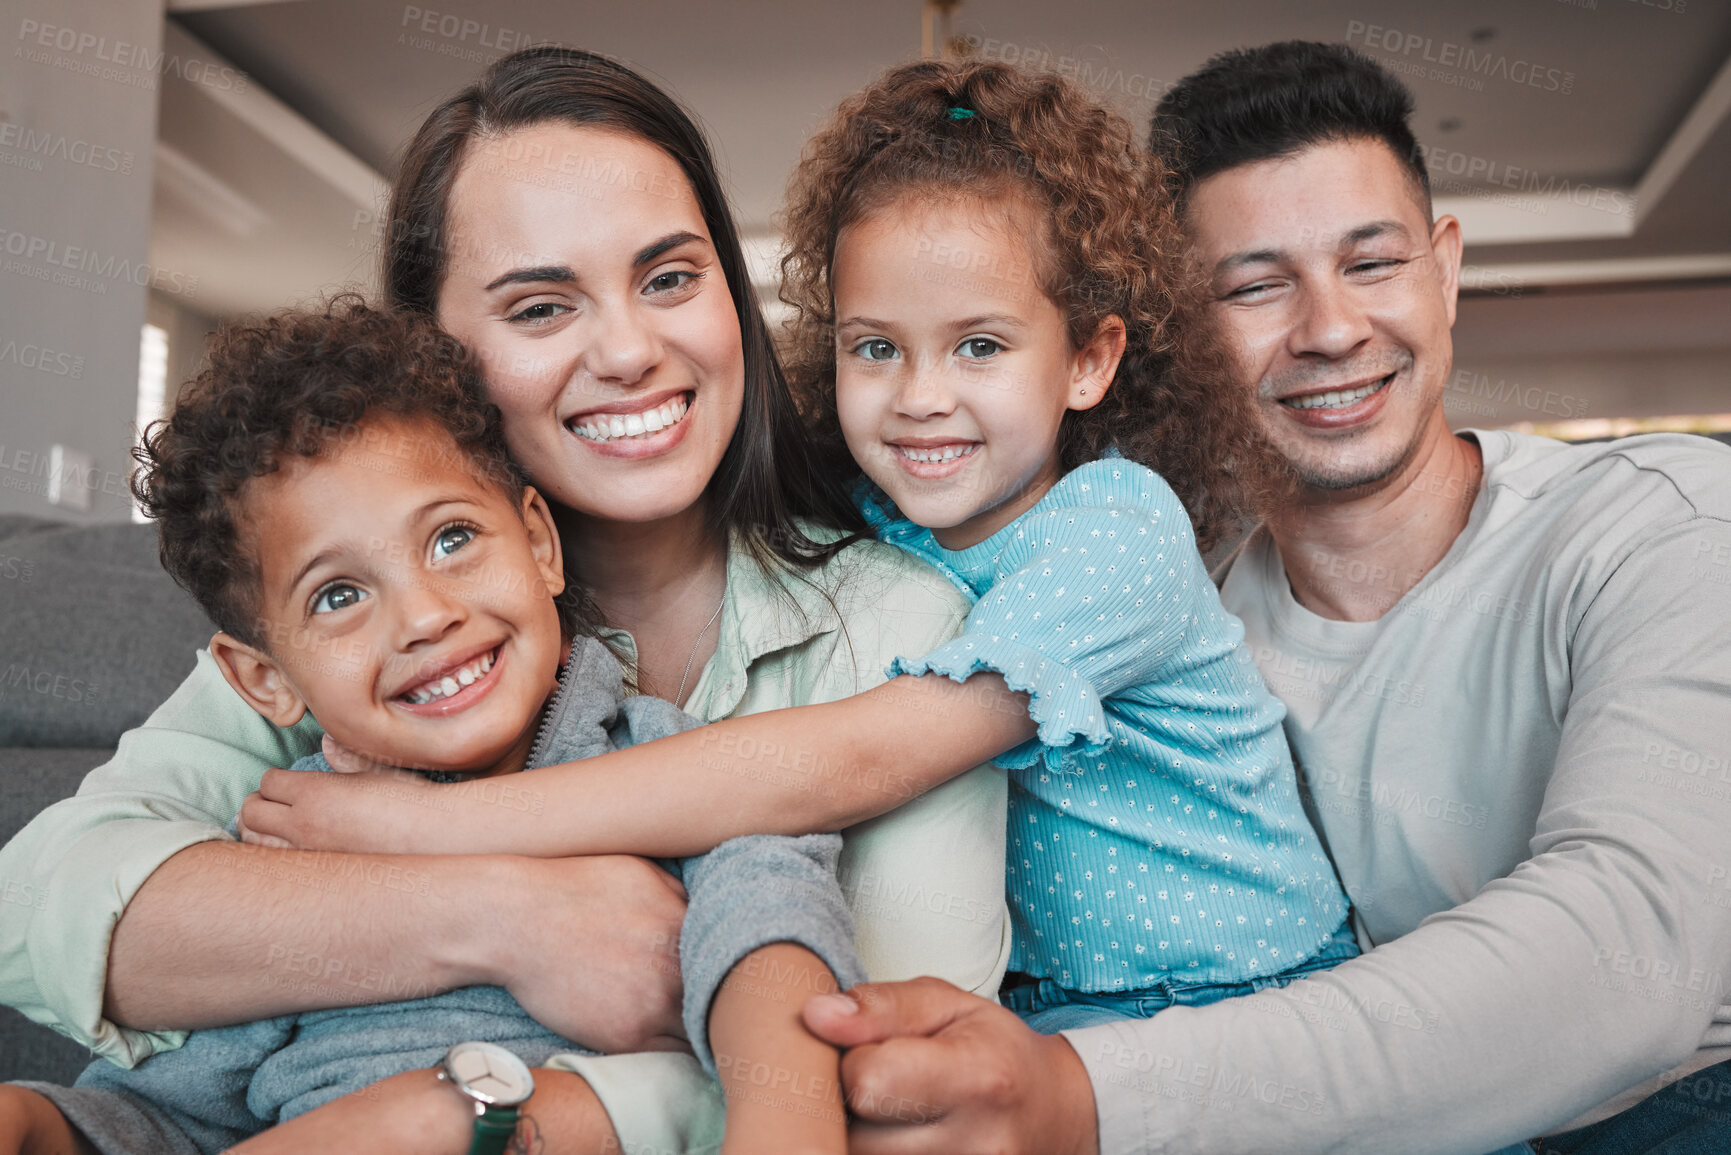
x=336, y=494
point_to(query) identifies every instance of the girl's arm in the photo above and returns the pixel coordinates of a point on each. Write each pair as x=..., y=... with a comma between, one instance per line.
x=793, y=771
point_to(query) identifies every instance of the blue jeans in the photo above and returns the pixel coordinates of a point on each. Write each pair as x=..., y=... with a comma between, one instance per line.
x=1690, y=1117
x=1049, y=1008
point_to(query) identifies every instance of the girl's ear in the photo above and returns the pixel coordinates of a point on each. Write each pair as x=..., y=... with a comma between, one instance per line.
x=256, y=677
x=544, y=540
x=1095, y=365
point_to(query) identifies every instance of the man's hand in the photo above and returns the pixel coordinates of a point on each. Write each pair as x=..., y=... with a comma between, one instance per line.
x=933, y=1070
x=590, y=948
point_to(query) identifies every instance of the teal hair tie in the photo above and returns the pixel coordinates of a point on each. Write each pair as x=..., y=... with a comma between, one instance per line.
x=961, y=114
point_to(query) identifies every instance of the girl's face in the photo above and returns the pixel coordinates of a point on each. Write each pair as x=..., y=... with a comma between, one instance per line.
x=582, y=275
x=953, y=367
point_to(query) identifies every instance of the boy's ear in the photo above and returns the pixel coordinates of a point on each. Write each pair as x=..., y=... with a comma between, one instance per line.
x=1095, y=365
x=256, y=677
x=544, y=540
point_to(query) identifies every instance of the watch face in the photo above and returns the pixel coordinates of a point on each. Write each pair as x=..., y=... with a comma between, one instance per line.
x=489, y=1073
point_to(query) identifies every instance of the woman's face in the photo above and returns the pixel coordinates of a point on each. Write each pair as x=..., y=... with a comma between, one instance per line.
x=582, y=275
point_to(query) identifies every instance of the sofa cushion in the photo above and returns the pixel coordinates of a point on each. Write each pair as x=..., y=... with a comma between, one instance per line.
x=31, y=781
x=93, y=634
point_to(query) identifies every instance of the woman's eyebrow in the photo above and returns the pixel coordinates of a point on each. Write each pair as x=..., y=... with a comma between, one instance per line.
x=559, y=274
x=562, y=274
x=670, y=241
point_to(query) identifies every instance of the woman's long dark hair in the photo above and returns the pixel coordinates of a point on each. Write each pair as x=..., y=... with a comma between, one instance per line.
x=766, y=478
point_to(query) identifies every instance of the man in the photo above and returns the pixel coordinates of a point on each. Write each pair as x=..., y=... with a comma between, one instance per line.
x=1507, y=665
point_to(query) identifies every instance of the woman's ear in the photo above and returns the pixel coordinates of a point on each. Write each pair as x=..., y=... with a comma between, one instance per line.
x=257, y=678
x=544, y=540
x=1095, y=365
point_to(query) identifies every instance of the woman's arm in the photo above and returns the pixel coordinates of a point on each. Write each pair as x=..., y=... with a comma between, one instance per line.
x=137, y=870
x=416, y=1114
x=810, y=768
x=224, y=933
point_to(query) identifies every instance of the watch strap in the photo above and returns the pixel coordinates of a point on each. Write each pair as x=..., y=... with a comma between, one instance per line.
x=493, y=1129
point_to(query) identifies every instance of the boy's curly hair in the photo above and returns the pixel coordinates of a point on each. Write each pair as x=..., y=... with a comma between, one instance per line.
x=1112, y=246
x=294, y=384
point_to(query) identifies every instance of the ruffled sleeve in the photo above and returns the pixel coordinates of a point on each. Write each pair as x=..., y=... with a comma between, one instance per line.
x=1098, y=586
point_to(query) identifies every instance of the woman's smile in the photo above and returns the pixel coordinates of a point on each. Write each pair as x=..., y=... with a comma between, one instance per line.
x=643, y=427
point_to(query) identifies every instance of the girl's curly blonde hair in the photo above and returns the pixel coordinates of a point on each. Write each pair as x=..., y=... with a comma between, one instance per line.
x=986, y=130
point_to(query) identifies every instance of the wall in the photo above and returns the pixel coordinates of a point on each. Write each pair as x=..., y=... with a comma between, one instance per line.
x=77, y=131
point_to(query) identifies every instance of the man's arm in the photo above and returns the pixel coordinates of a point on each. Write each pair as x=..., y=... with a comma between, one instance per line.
x=809, y=768
x=1598, y=967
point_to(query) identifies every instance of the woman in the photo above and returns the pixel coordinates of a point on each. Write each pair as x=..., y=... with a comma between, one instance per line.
x=563, y=218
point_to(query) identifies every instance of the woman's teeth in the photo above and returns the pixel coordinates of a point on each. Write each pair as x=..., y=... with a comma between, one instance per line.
x=614, y=426
x=452, y=682
x=1335, y=399
x=936, y=456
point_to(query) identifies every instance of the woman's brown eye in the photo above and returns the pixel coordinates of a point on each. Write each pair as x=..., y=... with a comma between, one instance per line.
x=667, y=281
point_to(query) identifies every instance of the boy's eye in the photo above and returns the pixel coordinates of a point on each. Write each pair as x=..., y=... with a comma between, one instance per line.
x=451, y=539
x=338, y=596
x=875, y=349
x=978, y=347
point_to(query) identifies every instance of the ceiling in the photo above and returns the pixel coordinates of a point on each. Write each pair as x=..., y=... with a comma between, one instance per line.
x=1570, y=105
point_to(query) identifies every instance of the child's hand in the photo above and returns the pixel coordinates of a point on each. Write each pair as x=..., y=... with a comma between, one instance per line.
x=369, y=811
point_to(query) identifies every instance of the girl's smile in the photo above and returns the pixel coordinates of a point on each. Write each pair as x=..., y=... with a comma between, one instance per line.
x=952, y=375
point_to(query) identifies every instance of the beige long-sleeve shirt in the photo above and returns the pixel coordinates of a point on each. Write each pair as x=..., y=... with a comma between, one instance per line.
x=1523, y=774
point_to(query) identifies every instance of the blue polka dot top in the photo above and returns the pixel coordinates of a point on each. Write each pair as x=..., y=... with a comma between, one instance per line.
x=1156, y=833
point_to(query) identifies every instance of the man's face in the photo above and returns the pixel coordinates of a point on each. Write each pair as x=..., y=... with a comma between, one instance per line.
x=1338, y=295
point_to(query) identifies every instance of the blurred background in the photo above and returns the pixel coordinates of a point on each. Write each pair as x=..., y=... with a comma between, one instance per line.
x=164, y=168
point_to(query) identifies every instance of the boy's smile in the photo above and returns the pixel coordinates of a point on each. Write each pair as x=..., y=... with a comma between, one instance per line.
x=406, y=601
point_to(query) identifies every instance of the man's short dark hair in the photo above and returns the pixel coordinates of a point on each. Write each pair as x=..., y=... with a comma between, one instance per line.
x=1255, y=104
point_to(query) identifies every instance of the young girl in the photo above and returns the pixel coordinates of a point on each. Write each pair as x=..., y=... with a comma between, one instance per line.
x=984, y=271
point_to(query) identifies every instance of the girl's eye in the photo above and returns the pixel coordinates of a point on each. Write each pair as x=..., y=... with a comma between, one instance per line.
x=978, y=347
x=338, y=596
x=451, y=539
x=875, y=349
x=669, y=281
x=539, y=313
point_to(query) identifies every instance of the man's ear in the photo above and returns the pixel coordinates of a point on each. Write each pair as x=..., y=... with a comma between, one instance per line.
x=1095, y=364
x=1445, y=246
x=256, y=677
x=544, y=540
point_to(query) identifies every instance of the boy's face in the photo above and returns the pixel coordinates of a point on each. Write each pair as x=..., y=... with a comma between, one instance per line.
x=406, y=601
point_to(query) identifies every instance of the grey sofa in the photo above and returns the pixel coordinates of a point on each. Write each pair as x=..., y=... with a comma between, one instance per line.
x=93, y=636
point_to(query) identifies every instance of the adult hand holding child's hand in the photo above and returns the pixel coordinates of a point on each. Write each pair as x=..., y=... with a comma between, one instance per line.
x=930, y=1069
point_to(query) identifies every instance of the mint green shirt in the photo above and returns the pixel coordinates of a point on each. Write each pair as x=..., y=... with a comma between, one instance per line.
x=925, y=882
